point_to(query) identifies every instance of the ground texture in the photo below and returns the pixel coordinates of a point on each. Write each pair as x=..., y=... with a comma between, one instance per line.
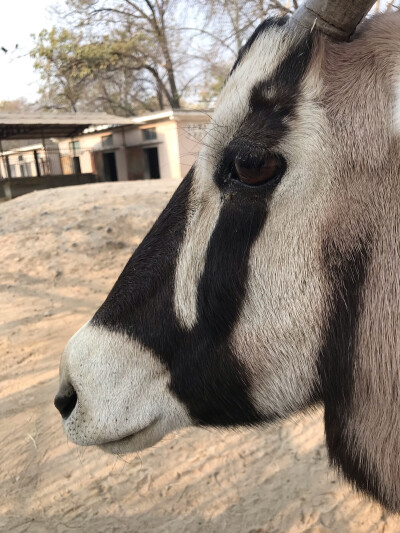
x=60, y=252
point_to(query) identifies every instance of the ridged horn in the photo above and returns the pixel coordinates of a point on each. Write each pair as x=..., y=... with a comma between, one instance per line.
x=336, y=18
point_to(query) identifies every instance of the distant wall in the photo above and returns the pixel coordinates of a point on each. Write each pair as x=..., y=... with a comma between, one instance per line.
x=190, y=137
x=13, y=187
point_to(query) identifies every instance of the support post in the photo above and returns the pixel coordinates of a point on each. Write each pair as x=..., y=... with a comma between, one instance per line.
x=46, y=159
x=37, y=165
x=6, y=164
x=126, y=152
x=8, y=167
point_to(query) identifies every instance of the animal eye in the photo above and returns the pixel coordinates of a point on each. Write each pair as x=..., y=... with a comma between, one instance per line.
x=259, y=170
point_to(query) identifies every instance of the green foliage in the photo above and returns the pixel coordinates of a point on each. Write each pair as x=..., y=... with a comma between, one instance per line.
x=130, y=56
x=71, y=67
x=63, y=67
x=120, y=61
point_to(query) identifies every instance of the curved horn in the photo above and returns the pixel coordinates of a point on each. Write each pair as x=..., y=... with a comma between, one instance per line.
x=336, y=18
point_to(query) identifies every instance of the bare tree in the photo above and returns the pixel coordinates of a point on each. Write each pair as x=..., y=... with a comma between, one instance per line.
x=153, y=21
x=226, y=26
x=130, y=56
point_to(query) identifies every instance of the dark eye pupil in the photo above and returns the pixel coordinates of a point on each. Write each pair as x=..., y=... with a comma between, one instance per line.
x=258, y=170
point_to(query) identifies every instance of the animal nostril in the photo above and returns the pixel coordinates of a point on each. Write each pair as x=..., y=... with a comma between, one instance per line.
x=66, y=401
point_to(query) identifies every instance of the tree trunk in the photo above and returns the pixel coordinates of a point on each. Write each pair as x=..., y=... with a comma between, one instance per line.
x=162, y=34
x=160, y=96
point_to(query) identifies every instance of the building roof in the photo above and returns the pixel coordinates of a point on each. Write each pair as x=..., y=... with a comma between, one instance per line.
x=67, y=125
x=45, y=125
x=172, y=114
x=21, y=149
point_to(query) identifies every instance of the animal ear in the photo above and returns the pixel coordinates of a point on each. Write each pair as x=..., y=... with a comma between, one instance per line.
x=360, y=375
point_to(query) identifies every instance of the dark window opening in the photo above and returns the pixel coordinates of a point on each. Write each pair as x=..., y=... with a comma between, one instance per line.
x=149, y=134
x=107, y=141
x=152, y=160
x=74, y=145
x=110, y=166
x=76, y=165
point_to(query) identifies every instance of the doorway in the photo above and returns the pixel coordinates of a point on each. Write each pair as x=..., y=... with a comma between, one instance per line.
x=110, y=166
x=152, y=160
x=76, y=165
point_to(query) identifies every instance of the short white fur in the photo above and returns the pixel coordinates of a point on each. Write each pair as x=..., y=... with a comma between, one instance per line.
x=122, y=390
x=204, y=205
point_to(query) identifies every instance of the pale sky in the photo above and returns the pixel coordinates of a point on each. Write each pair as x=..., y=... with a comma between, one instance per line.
x=18, y=20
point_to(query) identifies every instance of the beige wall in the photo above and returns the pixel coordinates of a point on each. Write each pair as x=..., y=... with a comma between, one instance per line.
x=121, y=161
x=93, y=142
x=178, y=143
x=190, y=138
x=168, y=149
x=136, y=163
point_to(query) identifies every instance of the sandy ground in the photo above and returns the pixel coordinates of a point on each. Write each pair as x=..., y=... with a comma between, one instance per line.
x=61, y=251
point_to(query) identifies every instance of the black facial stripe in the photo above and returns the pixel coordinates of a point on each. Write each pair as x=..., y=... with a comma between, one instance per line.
x=205, y=374
x=337, y=362
x=216, y=384
x=285, y=80
x=261, y=28
x=143, y=290
x=273, y=103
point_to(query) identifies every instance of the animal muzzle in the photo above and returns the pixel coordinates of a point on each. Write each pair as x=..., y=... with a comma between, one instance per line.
x=114, y=392
x=66, y=399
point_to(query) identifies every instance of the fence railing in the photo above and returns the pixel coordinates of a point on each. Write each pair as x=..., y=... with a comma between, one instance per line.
x=44, y=162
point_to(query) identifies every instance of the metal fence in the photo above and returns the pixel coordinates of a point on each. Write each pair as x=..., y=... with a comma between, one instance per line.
x=44, y=162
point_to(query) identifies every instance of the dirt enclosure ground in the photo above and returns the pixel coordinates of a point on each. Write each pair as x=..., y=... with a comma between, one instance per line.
x=61, y=250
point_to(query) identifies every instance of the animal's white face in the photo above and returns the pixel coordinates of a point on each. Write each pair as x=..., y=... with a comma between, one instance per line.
x=201, y=326
x=122, y=391
x=239, y=304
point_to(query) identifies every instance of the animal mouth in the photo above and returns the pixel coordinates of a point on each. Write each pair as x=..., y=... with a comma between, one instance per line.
x=111, y=445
